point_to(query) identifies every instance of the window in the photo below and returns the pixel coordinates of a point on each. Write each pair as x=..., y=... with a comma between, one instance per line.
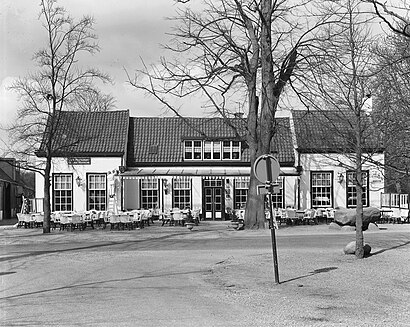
x=241, y=192
x=207, y=150
x=212, y=150
x=197, y=149
x=321, y=189
x=277, y=198
x=216, y=150
x=188, y=149
x=351, y=188
x=182, y=192
x=236, y=149
x=149, y=193
x=63, y=192
x=97, y=192
x=226, y=150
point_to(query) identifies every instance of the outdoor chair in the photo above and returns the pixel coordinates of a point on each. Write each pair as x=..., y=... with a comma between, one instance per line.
x=279, y=215
x=136, y=219
x=291, y=216
x=195, y=216
x=23, y=220
x=330, y=216
x=145, y=217
x=125, y=221
x=310, y=217
x=64, y=222
x=114, y=222
x=176, y=216
x=39, y=220
x=76, y=222
x=166, y=217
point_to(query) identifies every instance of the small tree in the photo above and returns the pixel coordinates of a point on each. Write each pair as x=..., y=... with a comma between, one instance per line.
x=56, y=85
x=340, y=88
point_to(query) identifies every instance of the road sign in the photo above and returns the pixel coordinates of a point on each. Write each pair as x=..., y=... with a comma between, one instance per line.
x=261, y=189
x=264, y=166
x=266, y=170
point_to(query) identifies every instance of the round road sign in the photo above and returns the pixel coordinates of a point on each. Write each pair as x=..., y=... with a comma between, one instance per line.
x=266, y=168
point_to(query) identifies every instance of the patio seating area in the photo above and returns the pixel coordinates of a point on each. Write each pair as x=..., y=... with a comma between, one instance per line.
x=122, y=220
x=291, y=216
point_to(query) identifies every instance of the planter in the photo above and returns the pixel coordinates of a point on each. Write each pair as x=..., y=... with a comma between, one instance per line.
x=190, y=225
x=235, y=224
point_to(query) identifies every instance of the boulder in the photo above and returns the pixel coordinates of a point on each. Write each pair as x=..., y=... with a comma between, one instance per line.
x=334, y=226
x=350, y=248
x=348, y=228
x=347, y=217
x=373, y=227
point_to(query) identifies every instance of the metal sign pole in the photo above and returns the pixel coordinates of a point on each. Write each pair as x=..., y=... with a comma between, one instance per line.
x=272, y=227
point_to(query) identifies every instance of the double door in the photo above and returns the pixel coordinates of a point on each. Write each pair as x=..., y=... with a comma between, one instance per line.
x=214, y=203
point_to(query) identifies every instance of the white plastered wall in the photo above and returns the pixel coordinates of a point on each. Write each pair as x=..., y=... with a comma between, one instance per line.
x=60, y=165
x=338, y=165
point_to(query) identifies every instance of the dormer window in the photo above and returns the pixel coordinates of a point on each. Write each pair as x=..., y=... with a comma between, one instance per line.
x=193, y=150
x=212, y=150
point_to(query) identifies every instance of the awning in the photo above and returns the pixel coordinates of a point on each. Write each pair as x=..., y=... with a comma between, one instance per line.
x=210, y=172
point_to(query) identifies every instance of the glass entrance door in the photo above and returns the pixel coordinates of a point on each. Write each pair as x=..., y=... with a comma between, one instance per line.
x=213, y=199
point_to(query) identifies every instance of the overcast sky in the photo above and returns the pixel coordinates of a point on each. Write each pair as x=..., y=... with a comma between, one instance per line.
x=127, y=30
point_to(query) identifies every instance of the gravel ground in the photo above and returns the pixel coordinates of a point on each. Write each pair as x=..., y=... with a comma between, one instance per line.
x=319, y=285
x=339, y=290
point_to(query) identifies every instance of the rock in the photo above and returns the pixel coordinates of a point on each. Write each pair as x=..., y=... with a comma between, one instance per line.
x=373, y=227
x=350, y=248
x=347, y=217
x=348, y=228
x=334, y=226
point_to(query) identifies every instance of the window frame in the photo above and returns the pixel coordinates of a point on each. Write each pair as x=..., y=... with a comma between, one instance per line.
x=351, y=187
x=104, y=190
x=177, y=188
x=212, y=150
x=331, y=187
x=71, y=203
x=154, y=192
x=240, y=192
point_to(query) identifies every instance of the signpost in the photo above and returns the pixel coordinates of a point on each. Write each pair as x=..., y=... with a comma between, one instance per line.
x=266, y=170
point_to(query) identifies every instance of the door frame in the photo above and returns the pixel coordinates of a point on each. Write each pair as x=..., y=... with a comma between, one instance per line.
x=222, y=187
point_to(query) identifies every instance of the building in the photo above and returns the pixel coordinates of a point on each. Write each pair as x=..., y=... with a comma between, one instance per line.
x=110, y=161
x=12, y=187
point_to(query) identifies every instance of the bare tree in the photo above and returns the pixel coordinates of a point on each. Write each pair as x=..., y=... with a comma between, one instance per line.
x=340, y=88
x=58, y=81
x=392, y=108
x=394, y=13
x=93, y=100
x=235, y=51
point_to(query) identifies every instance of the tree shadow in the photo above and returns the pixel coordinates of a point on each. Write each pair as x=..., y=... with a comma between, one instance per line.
x=388, y=249
x=87, y=247
x=103, y=282
x=312, y=273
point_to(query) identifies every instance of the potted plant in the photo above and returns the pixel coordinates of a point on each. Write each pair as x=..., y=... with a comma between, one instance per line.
x=189, y=220
x=233, y=218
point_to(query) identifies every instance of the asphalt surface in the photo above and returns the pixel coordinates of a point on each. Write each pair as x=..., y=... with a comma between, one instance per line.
x=157, y=276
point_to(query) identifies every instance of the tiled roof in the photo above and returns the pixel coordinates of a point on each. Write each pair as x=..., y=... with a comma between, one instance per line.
x=154, y=141
x=101, y=133
x=332, y=131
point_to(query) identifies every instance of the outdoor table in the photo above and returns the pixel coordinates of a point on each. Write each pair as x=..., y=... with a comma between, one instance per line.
x=386, y=215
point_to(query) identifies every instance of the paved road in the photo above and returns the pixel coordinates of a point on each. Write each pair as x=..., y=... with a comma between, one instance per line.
x=154, y=277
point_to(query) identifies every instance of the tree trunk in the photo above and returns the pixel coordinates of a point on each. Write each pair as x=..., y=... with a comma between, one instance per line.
x=359, y=252
x=46, y=200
